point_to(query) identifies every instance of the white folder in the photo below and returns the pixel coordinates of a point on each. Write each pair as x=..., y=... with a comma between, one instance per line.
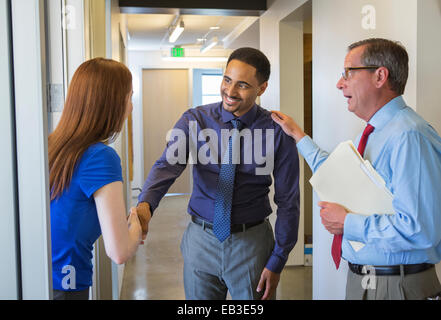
x=349, y=180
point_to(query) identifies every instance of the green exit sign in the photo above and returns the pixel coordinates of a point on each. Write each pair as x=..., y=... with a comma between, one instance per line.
x=177, y=52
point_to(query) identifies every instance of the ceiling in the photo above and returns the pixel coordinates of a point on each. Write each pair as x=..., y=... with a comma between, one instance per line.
x=149, y=32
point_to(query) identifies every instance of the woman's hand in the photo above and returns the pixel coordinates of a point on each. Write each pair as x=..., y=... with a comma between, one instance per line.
x=135, y=224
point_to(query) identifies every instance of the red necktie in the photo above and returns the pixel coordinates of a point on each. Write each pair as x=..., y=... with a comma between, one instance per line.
x=336, y=243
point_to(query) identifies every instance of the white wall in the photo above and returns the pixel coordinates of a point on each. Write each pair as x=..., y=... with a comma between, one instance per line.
x=55, y=59
x=270, y=45
x=75, y=33
x=429, y=66
x=65, y=40
x=249, y=38
x=139, y=60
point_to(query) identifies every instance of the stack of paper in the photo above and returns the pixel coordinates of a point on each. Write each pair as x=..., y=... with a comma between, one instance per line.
x=349, y=180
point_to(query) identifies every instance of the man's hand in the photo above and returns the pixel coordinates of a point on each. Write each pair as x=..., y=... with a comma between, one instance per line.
x=268, y=280
x=144, y=215
x=288, y=125
x=333, y=217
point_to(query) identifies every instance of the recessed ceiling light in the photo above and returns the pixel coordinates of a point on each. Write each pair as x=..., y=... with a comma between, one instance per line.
x=214, y=28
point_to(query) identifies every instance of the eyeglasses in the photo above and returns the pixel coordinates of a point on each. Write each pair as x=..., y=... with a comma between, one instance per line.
x=345, y=73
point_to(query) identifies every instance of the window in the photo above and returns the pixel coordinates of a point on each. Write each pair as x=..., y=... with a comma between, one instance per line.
x=211, y=88
x=206, y=86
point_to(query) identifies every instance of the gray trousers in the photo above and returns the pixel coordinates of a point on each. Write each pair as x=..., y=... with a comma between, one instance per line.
x=417, y=286
x=212, y=268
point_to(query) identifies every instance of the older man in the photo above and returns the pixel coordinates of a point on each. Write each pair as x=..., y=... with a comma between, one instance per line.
x=402, y=247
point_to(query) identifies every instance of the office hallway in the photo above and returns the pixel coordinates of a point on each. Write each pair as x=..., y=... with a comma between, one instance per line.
x=155, y=272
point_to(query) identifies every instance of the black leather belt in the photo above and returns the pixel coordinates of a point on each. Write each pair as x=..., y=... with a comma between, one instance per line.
x=234, y=227
x=389, y=270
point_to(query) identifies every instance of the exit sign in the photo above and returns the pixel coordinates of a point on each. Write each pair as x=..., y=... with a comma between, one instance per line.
x=177, y=52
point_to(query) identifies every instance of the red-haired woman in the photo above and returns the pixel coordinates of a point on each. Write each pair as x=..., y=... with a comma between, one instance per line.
x=86, y=177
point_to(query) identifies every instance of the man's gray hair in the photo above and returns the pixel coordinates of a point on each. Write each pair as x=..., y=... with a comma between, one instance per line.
x=389, y=54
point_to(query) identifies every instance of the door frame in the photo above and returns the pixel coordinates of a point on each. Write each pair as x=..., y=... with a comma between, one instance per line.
x=31, y=121
x=9, y=239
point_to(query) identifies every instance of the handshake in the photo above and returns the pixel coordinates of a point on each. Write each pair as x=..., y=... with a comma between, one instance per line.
x=143, y=213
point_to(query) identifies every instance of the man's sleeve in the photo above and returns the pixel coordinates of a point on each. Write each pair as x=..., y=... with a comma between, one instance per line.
x=167, y=169
x=287, y=199
x=287, y=193
x=313, y=155
x=416, y=174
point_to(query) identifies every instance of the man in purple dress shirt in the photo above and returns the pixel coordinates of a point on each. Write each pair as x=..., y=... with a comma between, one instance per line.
x=249, y=262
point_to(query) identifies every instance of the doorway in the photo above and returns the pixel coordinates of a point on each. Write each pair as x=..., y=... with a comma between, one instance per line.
x=307, y=118
x=296, y=101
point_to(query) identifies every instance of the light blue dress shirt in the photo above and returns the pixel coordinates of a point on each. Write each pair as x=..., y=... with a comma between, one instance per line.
x=406, y=151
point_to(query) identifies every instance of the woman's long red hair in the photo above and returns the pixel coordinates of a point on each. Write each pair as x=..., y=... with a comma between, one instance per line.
x=95, y=111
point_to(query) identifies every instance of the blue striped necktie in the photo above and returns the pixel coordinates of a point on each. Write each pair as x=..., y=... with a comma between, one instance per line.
x=224, y=192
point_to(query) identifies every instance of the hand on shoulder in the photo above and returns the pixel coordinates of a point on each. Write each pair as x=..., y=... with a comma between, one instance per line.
x=288, y=125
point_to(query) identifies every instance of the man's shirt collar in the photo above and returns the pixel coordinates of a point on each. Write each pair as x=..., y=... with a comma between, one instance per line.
x=387, y=112
x=247, y=119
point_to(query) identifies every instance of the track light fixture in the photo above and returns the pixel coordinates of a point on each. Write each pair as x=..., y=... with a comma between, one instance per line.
x=176, y=31
x=209, y=44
